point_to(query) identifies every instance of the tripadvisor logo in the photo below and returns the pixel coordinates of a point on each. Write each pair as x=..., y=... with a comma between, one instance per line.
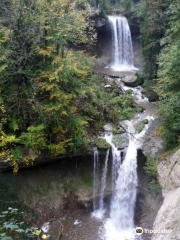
x=139, y=231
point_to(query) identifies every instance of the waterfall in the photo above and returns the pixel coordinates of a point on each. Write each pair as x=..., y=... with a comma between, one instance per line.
x=95, y=174
x=122, y=207
x=116, y=161
x=103, y=183
x=116, y=157
x=120, y=225
x=122, y=49
x=99, y=207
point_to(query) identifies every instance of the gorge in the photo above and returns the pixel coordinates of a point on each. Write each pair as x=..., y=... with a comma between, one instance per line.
x=111, y=188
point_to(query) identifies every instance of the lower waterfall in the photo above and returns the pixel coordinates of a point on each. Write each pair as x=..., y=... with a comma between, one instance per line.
x=95, y=175
x=103, y=183
x=120, y=223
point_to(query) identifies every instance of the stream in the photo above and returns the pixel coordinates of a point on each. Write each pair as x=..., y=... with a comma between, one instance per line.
x=115, y=220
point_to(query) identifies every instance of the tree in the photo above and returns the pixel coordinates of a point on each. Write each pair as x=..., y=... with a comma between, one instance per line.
x=38, y=86
x=168, y=84
x=153, y=28
x=49, y=97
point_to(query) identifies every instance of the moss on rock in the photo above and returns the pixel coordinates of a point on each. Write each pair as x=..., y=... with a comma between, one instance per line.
x=139, y=109
x=139, y=127
x=145, y=121
x=102, y=144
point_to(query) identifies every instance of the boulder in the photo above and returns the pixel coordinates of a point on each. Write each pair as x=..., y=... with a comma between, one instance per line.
x=121, y=141
x=151, y=95
x=132, y=81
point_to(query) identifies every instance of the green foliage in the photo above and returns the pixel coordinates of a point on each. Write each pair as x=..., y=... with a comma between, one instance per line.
x=121, y=6
x=13, y=213
x=168, y=84
x=151, y=169
x=101, y=143
x=129, y=91
x=115, y=131
x=126, y=113
x=154, y=186
x=49, y=98
x=121, y=107
x=169, y=113
x=153, y=27
x=145, y=121
x=139, y=127
x=150, y=166
x=139, y=76
x=41, y=78
x=159, y=29
x=149, y=90
x=34, y=138
x=11, y=228
x=139, y=109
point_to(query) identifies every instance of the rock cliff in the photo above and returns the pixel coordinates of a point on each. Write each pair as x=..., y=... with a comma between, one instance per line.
x=168, y=217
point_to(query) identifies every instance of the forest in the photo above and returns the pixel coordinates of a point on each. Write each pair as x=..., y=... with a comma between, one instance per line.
x=50, y=97
x=160, y=31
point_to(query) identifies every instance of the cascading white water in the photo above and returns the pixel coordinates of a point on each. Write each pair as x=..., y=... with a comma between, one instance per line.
x=103, y=183
x=122, y=48
x=95, y=184
x=99, y=207
x=116, y=161
x=116, y=156
x=122, y=207
x=120, y=225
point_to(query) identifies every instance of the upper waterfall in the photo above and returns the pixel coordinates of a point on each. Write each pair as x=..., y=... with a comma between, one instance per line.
x=122, y=48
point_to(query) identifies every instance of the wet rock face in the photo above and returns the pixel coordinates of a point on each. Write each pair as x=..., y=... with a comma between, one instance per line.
x=50, y=188
x=168, y=217
x=54, y=188
x=148, y=201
